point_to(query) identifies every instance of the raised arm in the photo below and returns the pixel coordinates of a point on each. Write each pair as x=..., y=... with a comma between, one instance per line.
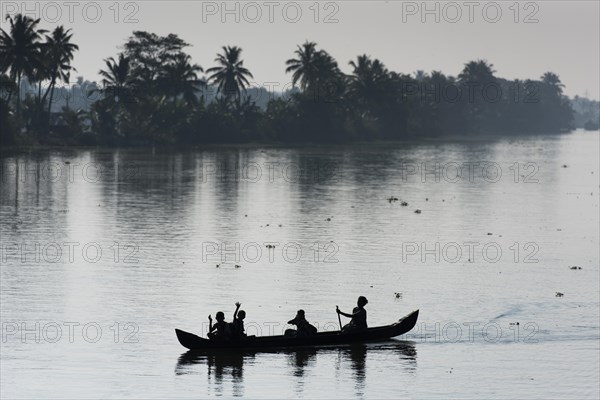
x=237, y=308
x=210, y=325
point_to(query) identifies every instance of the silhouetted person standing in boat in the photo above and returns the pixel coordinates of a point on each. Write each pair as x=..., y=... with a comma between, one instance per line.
x=221, y=329
x=238, y=322
x=359, y=316
x=303, y=327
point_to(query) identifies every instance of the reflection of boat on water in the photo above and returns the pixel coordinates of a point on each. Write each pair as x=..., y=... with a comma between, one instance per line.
x=406, y=350
x=220, y=359
x=225, y=369
x=404, y=325
x=355, y=358
x=356, y=354
x=222, y=367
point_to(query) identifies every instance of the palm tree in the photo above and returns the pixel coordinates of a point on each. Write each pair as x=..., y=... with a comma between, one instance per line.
x=553, y=81
x=312, y=67
x=369, y=82
x=556, y=108
x=59, y=51
x=479, y=71
x=20, y=49
x=117, y=81
x=420, y=75
x=181, y=78
x=304, y=66
x=230, y=75
x=41, y=71
x=117, y=78
x=480, y=112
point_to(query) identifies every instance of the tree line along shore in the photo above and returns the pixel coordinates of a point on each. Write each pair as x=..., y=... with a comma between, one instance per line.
x=152, y=93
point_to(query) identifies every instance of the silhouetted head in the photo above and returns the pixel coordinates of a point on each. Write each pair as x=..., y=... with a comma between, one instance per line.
x=220, y=316
x=241, y=314
x=362, y=301
x=300, y=313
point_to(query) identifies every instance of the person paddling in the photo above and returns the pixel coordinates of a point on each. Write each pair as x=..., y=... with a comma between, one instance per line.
x=359, y=316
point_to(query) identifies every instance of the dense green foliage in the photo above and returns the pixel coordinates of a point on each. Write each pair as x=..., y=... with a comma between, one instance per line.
x=152, y=93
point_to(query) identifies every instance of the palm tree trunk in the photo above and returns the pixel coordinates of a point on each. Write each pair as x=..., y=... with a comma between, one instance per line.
x=39, y=109
x=50, y=102
x=19, y=94
x=52, y=82
x=51, y=97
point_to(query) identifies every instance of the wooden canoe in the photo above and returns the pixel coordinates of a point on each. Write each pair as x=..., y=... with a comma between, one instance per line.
x=404, y=325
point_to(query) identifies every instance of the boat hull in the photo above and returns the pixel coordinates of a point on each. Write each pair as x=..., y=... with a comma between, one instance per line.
x=404, y=325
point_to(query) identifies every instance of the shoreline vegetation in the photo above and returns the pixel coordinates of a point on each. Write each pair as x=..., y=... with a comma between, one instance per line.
x=256, y=145
x=153, y=94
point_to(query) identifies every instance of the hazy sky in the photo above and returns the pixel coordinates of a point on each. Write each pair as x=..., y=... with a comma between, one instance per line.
x=522, y=40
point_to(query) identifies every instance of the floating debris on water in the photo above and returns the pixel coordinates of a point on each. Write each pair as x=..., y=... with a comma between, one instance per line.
x=575, y=267
x=417, y=211
x=559, y=294
x=404, y=204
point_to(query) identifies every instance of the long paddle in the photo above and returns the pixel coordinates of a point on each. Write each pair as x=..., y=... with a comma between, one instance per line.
x=339, y=318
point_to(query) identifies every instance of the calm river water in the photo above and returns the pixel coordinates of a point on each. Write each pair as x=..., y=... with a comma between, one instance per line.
x=105, y=252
